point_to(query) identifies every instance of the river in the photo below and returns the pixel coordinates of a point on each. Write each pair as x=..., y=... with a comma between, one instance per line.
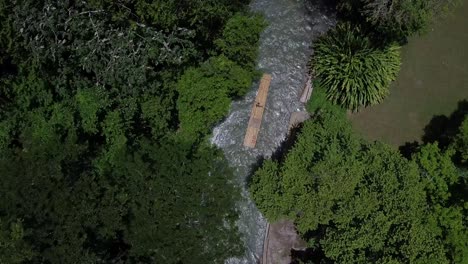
x=284, y=52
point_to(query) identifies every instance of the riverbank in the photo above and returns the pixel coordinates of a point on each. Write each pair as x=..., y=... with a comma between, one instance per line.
x=284, y=52
x=280, y=240
x=432, y=80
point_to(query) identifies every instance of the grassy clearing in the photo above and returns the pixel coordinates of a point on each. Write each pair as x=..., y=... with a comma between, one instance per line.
x=432, y=80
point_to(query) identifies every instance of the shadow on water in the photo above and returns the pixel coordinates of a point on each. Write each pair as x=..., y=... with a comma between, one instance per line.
x=325, y=7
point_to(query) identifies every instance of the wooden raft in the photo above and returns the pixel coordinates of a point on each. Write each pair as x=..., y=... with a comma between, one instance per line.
x=256, y=115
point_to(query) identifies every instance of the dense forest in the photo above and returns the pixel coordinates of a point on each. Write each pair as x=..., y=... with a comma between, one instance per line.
x=105, y=108
x=359, y=202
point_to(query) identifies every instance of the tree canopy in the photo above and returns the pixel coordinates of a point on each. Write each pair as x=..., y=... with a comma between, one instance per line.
x=394, y=20
x=360, y=202
x=103, y=159
x=358, y=59
x=354, y=71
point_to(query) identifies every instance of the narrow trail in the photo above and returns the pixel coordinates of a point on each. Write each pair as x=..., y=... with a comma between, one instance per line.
x=284, y=52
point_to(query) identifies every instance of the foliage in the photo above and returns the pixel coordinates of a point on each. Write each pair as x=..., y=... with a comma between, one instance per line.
x=267, y=190
x=398, y=19
x=239, y=40
x=91, y=99
x=461, y=142
x=357, y=60
x=395, y=20
x=357, y=202
x=205, y=92
x=204, y=18
x=354, y=72
x=437, y=170
x=153, y=203
x=319, y=102
x=12, y=246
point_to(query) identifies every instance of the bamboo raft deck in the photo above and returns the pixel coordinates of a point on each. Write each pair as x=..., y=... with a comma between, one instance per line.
x=256, y=114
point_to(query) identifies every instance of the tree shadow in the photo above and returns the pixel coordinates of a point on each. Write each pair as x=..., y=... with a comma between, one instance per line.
x=409, y=148
x=459, y=191
x=287, y=144
x=304, y=256
x=313, y=254
x=309, y=255
x=442, y=128
x=252, y=169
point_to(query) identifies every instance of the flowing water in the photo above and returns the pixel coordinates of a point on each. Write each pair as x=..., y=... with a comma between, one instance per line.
x=284, y=52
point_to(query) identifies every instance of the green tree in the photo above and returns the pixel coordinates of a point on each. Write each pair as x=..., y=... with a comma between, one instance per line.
x=354, y=71
x=460, y=144
x=93, y=169
x=204, y=18
x=395, y=20
x=186, y=187
x=437, y=171
x=13, y=248
x=150, y=204
x=398, y=19
x=205, y=93
x=357, y=202
x=240, y=38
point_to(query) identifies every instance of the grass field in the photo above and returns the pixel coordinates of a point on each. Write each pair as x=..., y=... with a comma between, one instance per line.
x=432, y=80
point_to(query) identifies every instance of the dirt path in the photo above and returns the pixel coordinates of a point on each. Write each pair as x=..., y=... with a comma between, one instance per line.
x=281, y=238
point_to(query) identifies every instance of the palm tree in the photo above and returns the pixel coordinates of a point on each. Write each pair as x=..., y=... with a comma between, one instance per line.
x=354, y=72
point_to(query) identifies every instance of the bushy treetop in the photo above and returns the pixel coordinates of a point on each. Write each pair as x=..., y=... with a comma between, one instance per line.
x=360, y=202
x=355, y=72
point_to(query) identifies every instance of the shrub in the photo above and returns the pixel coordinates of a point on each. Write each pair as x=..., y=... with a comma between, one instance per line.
x=205, y=93
x=461, y=142
x=240, y=37
x=354, y=72
x=359, y=202
x=398, y=20
x=319, y=102
x=395, y=20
